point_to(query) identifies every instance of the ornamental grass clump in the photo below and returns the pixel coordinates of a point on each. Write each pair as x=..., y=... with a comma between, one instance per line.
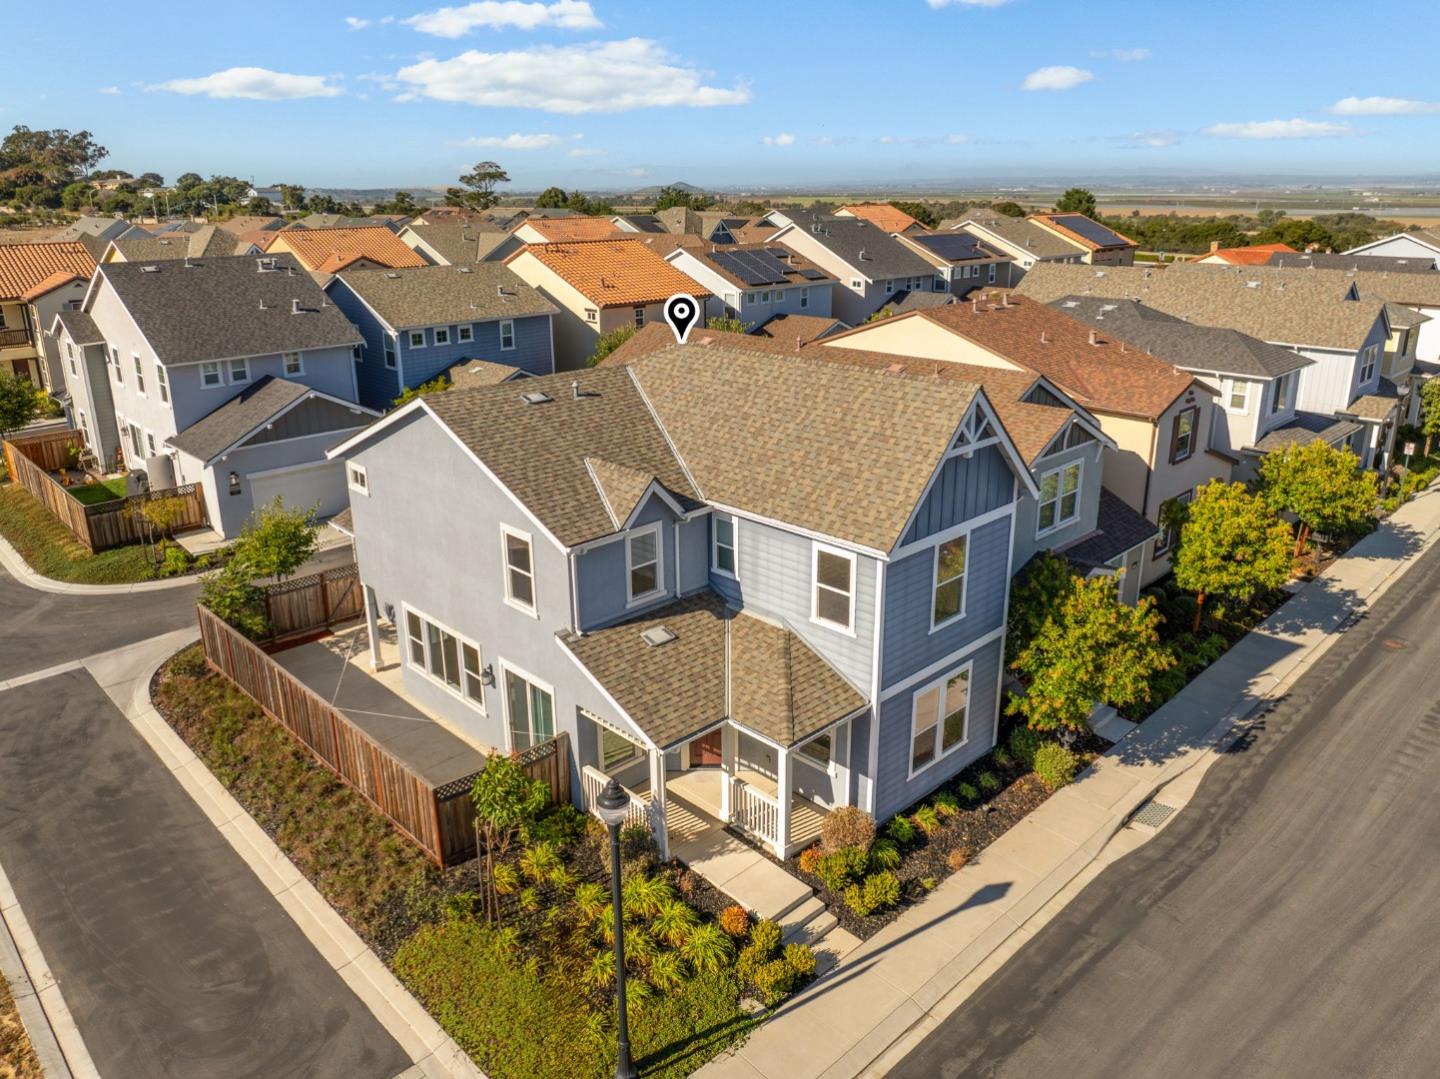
x=846, y=826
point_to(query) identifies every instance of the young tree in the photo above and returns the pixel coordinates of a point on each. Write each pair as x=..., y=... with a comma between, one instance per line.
x=609, y=342
x=1232, y=544
x=19, y=403
x=1322, y=486
x=1036, y=596
x=292, y=196
x=1430, y=412
x=276, y=541
x=479, y=190
x=439, y=384
x=506, y=800
x=1076, y=200
x=231, y=594
x=1092, y=650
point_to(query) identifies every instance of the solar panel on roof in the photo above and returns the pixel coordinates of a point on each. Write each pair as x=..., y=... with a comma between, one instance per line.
x=812, y=274
x=753, y=267
x=1093, y=231
x=952, y=246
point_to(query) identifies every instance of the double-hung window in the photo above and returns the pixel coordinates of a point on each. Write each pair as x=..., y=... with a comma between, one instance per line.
x=1168, y=532
x=507, y=335
x=390, y=351
x=417, y=338
x=639, y=317
x=889, y=287
x=465, y=333
x=616, y=751
x=442, y=335
x=139, y=374
x=819, y=750
x=162, y=382
x=938, y=722
x=1182, y=435
x=211, y=375
x=530, y=709
x=293, y=364
x=940, y=284
x=519, y=569
x=1237, y=394
x=1367, y=363
x=722, y=545
x=239, y=371
x=834, y=588
x=992, y=273
x=949, y=590
x=119, y=369
x=645, y=576
x=1059, y=497
x=445, y=657
x=804, y=297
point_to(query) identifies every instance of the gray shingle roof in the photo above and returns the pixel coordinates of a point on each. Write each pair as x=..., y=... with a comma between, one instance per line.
x=1305, y=428
x=1330, y=261
x=220, y=308
x=81, y=327
x=859, y=244
x=238, y=416
x=1018, y=232
x=458, y=242
x=1185, y=344
x=444, y=295
x=1118, y=528
x=207, y=241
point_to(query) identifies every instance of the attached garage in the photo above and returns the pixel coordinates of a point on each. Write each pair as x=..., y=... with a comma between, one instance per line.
x=321, y=485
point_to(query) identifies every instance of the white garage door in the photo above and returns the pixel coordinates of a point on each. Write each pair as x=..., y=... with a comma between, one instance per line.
x=302, y=488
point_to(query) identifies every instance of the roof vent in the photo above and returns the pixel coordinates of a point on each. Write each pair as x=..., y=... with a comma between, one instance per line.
x=393, y=276
x=1044, y=337
x=465, y=269
x=262, y=306
x=655, y=636
x=536, y=397
x=1071, y=303
x=149, y=269
x=1094, y=340
x=1252, y=284
x=1109, y=307
x=265, y=265
x=295, y=306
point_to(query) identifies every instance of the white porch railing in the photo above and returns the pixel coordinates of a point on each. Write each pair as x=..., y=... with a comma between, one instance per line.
x=593, y=781
x=754, y=811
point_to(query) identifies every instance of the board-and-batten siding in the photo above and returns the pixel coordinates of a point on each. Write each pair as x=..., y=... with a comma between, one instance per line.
x=966, y=487
x=312, y=417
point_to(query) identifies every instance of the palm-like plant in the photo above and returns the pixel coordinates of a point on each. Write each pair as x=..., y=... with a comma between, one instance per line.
x=601, y=972
x=640, y=947
x=505, y=879
x=644, y=896
x=668, y=971
x=707, y=949
x=674, y=921
x=591, y=901
x=540, y=861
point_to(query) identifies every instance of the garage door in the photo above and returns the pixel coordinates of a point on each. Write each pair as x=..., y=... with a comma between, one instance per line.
x=322, y=484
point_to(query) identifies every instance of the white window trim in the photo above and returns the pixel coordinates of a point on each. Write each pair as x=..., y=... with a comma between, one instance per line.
x=637, y=751
x=230, y=370
x=392, y=351
x=220, y=369
x=299, y=364
x=532, y=611
x=464, y=334
x=424, y=669
x=936, y=627
x=857, y=284
x=798, y=752
x=139, y=375
x=410, y=339
x=632, y=600
x=438, y=331
x=162, y=382
x=815, y=586
x=1059, y=471
x=804, y=296
x=734, y=546
x=504, y=667
x=510, y=322
x=1227, y=390
x=352, y=471
x=940, y=752
x=1368, y=362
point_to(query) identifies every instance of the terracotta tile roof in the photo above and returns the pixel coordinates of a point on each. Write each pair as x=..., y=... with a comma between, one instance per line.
x=330, y=249
x=23, y=266
x=881, y=215
x=613, y=273
x=1258, y=255
x=54, y=281
x=776, y=684
x=568, y=229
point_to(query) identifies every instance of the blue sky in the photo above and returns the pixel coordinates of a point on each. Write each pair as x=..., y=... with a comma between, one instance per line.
x=623, y=93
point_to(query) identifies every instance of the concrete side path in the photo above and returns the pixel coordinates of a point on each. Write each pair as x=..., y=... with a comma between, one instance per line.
x=898, y=985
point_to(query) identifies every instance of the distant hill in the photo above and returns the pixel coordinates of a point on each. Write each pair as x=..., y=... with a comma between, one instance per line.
x=679, y=185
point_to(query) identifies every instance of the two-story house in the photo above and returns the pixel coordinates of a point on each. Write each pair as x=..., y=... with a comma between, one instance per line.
x=756, y=282
x=869, y=265
x=421, y=321
x=324, y=252
x=674, y=583
x=1026, y=242
x=599, y=286
x=1411, y=244
x=1103, y=245
x=453, y=243
x=962, y=262
x=36, y=281
x=883, y=216
x=235, y=373
x=571, y=228
x=85, y=363
x=203, y=241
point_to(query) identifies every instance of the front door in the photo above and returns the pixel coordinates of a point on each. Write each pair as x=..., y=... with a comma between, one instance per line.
x=705, y=751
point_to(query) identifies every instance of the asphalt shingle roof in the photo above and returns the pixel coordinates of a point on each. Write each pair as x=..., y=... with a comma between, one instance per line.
x=220, y=308
x=208, y=241
x=868, y=249
x=1020, y=233
x=1305, y=428
x=1118, y=528
x=81, y=327
x=1325, y=260
x=230, y=422
x=441, y=295
x=470, y=373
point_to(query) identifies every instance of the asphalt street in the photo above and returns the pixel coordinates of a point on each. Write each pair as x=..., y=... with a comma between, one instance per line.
x=173, y=959
x=1283, y=925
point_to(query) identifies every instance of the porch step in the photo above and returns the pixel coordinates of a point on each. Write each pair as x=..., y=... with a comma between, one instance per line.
x=806, y=923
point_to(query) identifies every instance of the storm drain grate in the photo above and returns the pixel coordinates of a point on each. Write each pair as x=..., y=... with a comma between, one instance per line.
x=1152, y=814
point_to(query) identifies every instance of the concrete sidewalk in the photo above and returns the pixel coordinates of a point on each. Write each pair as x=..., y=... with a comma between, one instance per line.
x=899, y=984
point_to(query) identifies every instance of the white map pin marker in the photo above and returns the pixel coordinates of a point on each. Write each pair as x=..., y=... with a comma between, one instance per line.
x=682, y=312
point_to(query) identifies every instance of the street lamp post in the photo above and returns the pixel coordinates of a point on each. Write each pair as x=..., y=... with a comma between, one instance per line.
x=610, y=806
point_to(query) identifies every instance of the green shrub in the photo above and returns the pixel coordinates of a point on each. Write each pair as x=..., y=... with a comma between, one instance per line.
x=1024, y=741
x=989, y=782
x=1056, y=765
x=967, y=791
x=562, y=825
x=591, y=900
x=840, y=868
x=877, y=892
x=529, y=899
x=801, y=958
x=506, y=879
x=884, y=854
x=708, y=949
x=901, y=831
x=748, y=962
x=674, y=921
x=765, y=938
x=638, y=854
x=540, y=861
x=644, y=897
x=926, y=819
x=177, y=561
x=846, y=826
x=774, y=980
x=601, y=971
x=946, y=804
x=668, y=971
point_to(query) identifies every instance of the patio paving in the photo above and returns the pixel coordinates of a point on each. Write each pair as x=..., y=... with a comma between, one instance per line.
x=337, y=669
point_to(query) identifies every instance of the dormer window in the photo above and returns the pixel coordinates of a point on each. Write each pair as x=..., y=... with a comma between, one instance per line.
x=645, y=577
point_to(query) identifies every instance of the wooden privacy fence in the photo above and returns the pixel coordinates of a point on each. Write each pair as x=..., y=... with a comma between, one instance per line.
x=440, y=820
x=312, y=603
x=105, y=524
x=49, y=449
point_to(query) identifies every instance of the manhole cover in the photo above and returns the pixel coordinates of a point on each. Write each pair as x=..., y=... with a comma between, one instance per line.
x=1152, y=814
x=1394, y=644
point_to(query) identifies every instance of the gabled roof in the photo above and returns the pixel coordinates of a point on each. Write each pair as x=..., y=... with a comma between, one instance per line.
x=1256, y=255
x=1020, y=233
x=621, y=487
x=23, y=266
x=215, y=309
x=640, y=222
x=566, y=229
x=58, y=279
x=796, y=330
x=469, y=373
x=1328, y=260
x=80, y=326
x=954, y=248
x=105, y=228
x=721, y=664
x=880, y=214
x=328, y=250
x=456, y=242
x=1305, y=428
x=869, y=250
x=784, y=266
x=206, y=241
x=1084, y=230
x=248, y=411
x=443, y=295
x=1118, y=529
x=613, y=273
x=243, y=223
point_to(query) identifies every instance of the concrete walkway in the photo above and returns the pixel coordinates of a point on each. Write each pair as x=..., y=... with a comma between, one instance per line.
x=898, y=985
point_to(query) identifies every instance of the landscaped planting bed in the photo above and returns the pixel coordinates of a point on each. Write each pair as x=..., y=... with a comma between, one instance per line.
x=526, y=985
x=17, y=1058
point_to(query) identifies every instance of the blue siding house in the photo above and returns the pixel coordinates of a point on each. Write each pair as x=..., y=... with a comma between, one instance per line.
x=419, y=322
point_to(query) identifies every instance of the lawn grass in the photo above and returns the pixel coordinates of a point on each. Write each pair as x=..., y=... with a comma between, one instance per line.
x=105, y=491
x=50, y=550
x=17, y=1057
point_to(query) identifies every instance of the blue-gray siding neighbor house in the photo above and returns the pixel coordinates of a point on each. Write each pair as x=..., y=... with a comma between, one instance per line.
x=777, y=609
x=419, y=322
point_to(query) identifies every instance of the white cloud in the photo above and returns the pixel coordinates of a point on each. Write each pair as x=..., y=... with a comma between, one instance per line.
x=957, y=140
x=455, y=22
x=1149, y=140
x=253, y=84
x=894, y=140
x=601, y=76
x=782, y=139
x=109, y=89
x=1383, y=106
x=938, y=4
x=356, y=24
x=1125, y=56
x=515, y=142
x=1058, y=77
x=1278, y=129
x=638, y=173
x=585, y=151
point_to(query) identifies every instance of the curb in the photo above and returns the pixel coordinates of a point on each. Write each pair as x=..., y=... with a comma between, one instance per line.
x=434, y=1053
x=18, y=568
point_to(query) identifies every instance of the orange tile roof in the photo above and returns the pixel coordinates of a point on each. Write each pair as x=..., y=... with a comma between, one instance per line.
x=54, y=281
x=613, y=273
x=24, y=266
x=1259, y=255
x=566, y=229
x=882, y=216
x=318, y=249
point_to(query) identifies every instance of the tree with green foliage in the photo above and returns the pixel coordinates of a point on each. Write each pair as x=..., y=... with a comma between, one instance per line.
x=1076, y=200
x=292, y=196
x=670, y=197
x=1430, y=412
x=609, y=342
x=1324, y=487
x=920, y=211
x=1231, y=544
x=439, y=384
x=1092, y=649
x=727, y=324
x=77, y=195
x=231, y=594
x=1036, y=594
x=19, y=403
x=478, y=187
x=1008, y=208
x=552, y=198
x=58, y=155
x=881, y=315
x=276, y=541
x=506, y=799
x=402, y=202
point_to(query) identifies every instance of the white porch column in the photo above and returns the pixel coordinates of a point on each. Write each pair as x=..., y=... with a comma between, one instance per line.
x=729, y=758
x=372, y=628
x=782, y=796
x=657, y=803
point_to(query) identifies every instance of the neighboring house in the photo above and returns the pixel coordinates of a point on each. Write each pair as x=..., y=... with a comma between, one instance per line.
x=1414, y=244
x=243, y=223
x=1104, y=245
x=1024, y=240
x=571, y=228
x=95, y=229
x=1317, y=313
x=869, y=265
x=755, y=282
x=600, y=286
x=638, y=223
x=1257, y=255
x=325, y=252
x=393, y=222
x=471, y=373
x=452, y=243
x=883, y=216
x=712, y=226
x=961, y=262
x=1330, y=260
x=235, y=373
x=36, y=281
x=664, y=591
x=419, y=322
x=86, y=364
x=1156, y=419
x=205, y=241
x=796, y=330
